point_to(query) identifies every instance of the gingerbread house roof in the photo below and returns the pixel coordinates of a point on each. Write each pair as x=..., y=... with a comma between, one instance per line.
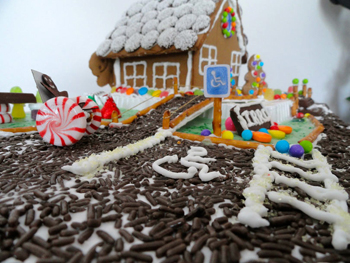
x=151, y=27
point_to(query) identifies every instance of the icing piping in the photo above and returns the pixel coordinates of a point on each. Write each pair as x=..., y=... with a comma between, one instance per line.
x=210, y=60
x=117, y=72
x=218, y=14
x=194, y=160
x=134, y=76
x=189, y=70
x=334, y=211
x=239, y=34
x=165, y=75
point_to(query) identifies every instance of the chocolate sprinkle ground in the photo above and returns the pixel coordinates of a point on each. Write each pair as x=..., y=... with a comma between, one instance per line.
x=130, y=213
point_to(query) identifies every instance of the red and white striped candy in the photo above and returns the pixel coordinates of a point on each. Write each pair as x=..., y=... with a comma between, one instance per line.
x=4, y=108
x=90, y=106
x=5, y=117
x=61, y=122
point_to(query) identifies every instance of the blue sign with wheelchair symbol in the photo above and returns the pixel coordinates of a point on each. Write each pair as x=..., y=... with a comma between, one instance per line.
x=216, y=81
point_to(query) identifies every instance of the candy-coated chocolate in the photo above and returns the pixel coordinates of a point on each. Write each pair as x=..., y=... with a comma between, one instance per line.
x=264, y=130
x=277, y=134
x=205, y=132
x=282, y=146
x=262, y=137
x=143, y=91
x=227, y=135
x=156, y=93
x=285, y=129
x=300, y=115
x=247, y=135
x=307, y=146
x=296, y=150
x=129, y=91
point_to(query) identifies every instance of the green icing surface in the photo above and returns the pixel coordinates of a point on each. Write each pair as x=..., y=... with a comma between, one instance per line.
x=27, y=121
x=300, y=129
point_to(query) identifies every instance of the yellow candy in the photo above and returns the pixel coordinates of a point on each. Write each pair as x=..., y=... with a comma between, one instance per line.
x=269, y=94
x=114, y=89
x=307, y=115
x=18, y=111
x=227, y=135
x=156, y=93
x=277, y=134
x=239, y=92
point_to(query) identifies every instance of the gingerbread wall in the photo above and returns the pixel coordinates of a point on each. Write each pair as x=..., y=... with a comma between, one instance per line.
x=224, y=48
x=180, y=58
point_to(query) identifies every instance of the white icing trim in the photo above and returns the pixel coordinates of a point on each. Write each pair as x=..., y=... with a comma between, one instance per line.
x=189, y=69
x=334, y=211
x=239, y=33
x=236, y=62
x=165, y=75
x=118, y=81
x=210, y=60
x=193, y=160
x=92, y=164
x=134, y=76
x=219, y=13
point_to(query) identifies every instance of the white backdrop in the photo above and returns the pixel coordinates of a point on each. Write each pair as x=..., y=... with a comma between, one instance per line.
x=295, y=38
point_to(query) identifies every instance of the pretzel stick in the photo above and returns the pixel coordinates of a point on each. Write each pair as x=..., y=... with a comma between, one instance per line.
x=244, y=97
x=145, y=111
x=189, y=112
x=319, y=128
x=217, y=117
x=166, y=119
x=20, y=129
x=235, y=143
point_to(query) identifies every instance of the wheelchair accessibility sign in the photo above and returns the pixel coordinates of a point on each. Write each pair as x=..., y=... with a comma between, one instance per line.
x=216, y=81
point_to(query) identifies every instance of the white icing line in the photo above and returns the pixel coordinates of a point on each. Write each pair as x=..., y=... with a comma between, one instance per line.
x=189, y=70
x=334, y=210
x=117, y=72
x=90, y=165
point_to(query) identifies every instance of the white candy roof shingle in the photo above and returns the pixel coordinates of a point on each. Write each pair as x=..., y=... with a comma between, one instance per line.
x=162, y=22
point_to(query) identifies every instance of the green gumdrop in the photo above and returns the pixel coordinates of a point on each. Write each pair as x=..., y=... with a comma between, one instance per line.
x=198, y=92
x=290, y=95
x=225, y=31
x=305, y=81
x=228, y=34
x=258, y=67
x=300, y=92
x=38, y=97
x=234, y=19
x=224, y=14
x=150, y=92
x=16, y=90
x=254, y=84
x=307, y=145
x=224, y=20
x=278, y=92
x=295, y=81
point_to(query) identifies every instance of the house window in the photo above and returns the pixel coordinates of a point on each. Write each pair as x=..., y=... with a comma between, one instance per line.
x=164, y=73
x=135, y=74
x=236, y=61
x=208, y=56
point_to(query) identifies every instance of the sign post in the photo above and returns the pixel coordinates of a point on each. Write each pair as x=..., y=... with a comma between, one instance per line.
x=217, y=86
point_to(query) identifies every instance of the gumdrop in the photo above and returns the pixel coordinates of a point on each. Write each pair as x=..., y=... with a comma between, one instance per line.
x=269, y=94
x=108, y=108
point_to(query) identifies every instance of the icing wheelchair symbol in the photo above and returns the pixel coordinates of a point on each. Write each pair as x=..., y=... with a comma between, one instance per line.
x=216, y=81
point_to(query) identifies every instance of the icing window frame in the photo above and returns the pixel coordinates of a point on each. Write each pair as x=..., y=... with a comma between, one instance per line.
x=210, y=60
x=134, y=77
x=165, y=75
x=236, y=62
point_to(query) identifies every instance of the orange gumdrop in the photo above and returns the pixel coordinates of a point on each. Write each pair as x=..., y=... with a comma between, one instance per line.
x=258, y=79
x=261, y=137
x=283, y=96
x=129, y=91
x=285, y=129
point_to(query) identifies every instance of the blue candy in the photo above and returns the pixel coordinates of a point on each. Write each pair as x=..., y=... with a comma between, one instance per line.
x=264, y=130
x=247, y=135
x=282, y=146
x=143, y=91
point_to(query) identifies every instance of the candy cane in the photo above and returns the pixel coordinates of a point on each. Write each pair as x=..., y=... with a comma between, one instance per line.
x=90, y=106
x=5, y=117
x=60, y=121
x=4, y=108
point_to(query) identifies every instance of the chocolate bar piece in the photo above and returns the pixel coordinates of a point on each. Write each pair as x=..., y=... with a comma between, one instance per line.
x=306, y=102
x=8, y=97
x=250, y=116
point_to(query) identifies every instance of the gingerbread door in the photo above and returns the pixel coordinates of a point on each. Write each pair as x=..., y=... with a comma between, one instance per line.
x=164, y=73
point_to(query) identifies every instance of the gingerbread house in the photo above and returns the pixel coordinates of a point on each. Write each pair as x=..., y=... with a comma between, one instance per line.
x=157, y=40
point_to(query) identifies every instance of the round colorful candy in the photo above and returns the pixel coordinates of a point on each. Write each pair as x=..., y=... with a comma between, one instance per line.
x=156, y=93
x=198, y=92
x=262, y=137
x=263, y=130
x=129, y=91
x=206, y=132
x=300, y=115
x=277, y=97
x=247, y=135
x=290, y=95
x=230, y=126
x=164, y=94
x=296, y=150
x=143, y=91
x=283, y=96
x=307, y=146
x=282, y=146
x=60, y=121
x=277, y=134
x=290, y=89
x=227, y=135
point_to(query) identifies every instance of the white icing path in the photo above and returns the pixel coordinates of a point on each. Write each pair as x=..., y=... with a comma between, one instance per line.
x=90, y=165
x=334, y=211
x=192, y=161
